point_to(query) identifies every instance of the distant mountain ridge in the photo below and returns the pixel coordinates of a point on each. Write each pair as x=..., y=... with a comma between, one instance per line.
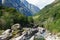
x=22, y=6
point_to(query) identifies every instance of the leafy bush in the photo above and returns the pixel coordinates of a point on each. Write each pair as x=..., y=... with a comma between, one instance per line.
x=10, y=16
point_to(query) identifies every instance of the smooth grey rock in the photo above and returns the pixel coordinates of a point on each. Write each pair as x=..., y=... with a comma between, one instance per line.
x=15, y=26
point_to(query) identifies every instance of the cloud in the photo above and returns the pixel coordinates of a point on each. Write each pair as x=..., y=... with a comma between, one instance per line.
x=40, y=3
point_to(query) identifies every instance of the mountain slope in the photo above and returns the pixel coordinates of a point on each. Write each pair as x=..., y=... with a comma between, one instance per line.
x=50, y=17
x=22, y=6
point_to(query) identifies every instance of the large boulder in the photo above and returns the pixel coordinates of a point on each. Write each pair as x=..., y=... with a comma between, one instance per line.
x=15, y=26
x=16, y=30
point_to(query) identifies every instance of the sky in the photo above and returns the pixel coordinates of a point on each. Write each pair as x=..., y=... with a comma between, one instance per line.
x=40, y=3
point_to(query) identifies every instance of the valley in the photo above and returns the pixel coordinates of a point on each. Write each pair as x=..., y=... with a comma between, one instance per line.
x=20, y=20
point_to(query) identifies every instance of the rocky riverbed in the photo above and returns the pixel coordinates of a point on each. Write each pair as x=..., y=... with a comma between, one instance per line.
x=16, y=33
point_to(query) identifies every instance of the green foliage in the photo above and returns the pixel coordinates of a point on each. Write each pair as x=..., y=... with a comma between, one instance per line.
x=10, y=16
x=39, y=39
x=55, y=26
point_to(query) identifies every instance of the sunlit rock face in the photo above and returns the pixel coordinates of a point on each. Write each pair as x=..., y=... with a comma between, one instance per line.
x=3, y=1
x=27, y=7
x=22, y=6
x=6, y=34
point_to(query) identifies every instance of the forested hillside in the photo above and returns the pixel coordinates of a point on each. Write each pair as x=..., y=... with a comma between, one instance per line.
x=49, y=17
